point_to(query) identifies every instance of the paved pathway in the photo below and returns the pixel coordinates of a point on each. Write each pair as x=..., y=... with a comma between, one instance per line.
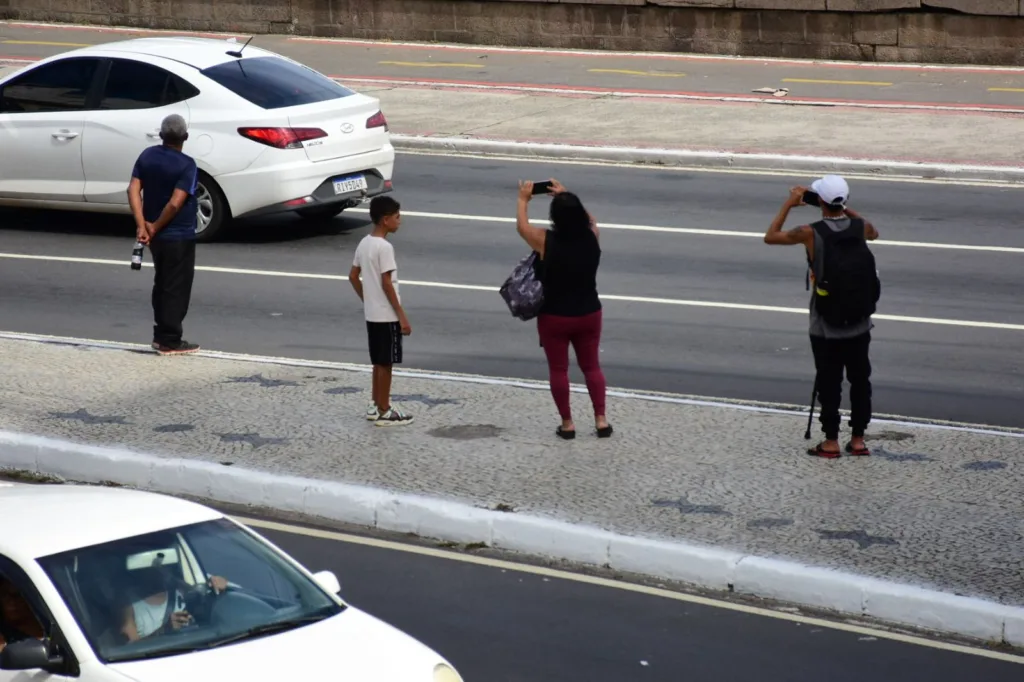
x=933, y=507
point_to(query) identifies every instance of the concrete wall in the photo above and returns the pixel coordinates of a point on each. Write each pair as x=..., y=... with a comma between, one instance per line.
x=948, y=31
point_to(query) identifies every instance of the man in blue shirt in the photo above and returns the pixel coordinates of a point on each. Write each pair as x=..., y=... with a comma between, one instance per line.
x=162, y=194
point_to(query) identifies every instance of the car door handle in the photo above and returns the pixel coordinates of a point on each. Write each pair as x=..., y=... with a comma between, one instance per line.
x=64, y=135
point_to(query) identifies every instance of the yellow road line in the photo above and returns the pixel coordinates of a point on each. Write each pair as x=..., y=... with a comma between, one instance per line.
x=46, y=43
x=827, y=82
x=430, y=64
x=627, y=72
x=623, y=586
x=1006, y=89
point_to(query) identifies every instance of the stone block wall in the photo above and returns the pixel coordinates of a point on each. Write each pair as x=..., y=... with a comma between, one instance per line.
x=943, y=31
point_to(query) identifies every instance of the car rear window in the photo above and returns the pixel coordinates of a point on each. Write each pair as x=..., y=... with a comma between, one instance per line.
x=273, y=83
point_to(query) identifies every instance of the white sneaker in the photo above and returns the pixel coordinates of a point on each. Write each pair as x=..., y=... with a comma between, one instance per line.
x=393, y=417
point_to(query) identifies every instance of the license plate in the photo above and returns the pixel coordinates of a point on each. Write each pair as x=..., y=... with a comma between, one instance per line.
x=353, y=183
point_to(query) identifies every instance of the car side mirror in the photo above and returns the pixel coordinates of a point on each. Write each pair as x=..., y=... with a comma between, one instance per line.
x=27, y=654
x=328, y=581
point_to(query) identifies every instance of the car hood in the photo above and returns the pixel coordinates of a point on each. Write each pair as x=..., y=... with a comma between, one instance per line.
x=349, y=646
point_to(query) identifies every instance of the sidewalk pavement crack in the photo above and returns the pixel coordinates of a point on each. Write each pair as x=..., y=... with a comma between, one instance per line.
x=686, y=507
x=343, y=390
x=263, y=382
x=863, y=539
x=83, y=415
x=254, y=439
x=425, y=400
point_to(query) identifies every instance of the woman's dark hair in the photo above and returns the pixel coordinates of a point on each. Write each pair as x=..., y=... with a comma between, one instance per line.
x=568, y=215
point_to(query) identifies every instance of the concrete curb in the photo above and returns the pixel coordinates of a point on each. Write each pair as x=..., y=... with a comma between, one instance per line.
x=725, y=160
x=453, y=521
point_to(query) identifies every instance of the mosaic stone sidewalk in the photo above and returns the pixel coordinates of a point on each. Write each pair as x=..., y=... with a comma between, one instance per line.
x=937, y=508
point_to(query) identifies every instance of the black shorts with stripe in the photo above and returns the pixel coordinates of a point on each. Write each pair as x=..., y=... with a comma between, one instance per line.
x=385, y=342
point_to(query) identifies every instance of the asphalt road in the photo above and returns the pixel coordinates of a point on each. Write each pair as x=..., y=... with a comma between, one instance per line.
x=618, y=72
x=950, y=371
x=508, y=626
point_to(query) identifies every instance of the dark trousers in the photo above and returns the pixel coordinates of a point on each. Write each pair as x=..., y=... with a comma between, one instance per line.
x=831, y=357
x=175, y=265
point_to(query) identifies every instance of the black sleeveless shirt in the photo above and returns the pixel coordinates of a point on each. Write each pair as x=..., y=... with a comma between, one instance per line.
x=569, y=274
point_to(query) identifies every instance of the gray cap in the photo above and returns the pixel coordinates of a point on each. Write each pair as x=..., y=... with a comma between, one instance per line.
x=173, y=128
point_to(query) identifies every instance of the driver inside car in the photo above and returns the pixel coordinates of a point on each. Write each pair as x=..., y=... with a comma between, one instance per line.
x=17, y=621
x=162, y=607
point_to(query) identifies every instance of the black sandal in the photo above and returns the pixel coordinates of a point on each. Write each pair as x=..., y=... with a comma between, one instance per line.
x=605, y=432
x=567, y=435
x=819, y=451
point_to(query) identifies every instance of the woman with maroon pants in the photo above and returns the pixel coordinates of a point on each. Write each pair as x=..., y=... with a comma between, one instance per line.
x=569, y=255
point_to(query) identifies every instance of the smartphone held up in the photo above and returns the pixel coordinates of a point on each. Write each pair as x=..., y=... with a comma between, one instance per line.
x=541, y=187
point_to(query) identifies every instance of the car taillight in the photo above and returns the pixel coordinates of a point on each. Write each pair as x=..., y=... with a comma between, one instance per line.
x=377, y=121
x=282, y=138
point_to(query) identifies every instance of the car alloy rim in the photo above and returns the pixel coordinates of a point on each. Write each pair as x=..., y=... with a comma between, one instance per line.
x=204, y=208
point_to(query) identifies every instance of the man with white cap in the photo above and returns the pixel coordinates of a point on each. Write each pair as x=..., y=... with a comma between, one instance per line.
x=846, y=289
x=162, y=194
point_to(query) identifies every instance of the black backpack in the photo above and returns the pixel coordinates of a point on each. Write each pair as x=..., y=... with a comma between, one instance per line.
x=847, y=289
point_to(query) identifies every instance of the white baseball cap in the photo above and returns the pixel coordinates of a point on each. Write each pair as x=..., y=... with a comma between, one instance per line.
x=832, y=189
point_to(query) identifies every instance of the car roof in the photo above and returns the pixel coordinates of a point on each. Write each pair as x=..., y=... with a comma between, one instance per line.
x=40, y=520
x=201, y=53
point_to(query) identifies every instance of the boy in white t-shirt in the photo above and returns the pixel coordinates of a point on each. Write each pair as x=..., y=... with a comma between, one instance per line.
x=386, y=322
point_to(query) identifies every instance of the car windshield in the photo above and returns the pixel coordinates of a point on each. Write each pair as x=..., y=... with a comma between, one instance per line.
x=185, y=589
x=274, y=83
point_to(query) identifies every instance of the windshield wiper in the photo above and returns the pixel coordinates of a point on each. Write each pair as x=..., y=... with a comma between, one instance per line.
x=159, y=653
x=267, y=629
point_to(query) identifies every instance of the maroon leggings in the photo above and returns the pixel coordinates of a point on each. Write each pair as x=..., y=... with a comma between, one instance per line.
x=584, y=334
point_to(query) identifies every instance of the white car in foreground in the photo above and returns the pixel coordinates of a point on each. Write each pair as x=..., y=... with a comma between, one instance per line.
x=88, y=558
x=269, y=135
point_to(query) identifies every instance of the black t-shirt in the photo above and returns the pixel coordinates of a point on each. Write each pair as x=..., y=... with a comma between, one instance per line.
x=569, y=274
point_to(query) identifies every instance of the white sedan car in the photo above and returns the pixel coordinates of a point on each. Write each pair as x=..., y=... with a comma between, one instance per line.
x=269, y=135
x=124, y=585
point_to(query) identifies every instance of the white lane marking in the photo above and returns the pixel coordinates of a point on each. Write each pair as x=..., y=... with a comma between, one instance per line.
x=776, y=173
x=785, y=409
x=700, y=231
x=661, y=157
x=661, y=55
x=976, y=324
x=477, y=287
x=662, y=593
x=632, y=94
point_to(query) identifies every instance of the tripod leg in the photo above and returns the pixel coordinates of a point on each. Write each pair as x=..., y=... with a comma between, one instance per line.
x=810, y=414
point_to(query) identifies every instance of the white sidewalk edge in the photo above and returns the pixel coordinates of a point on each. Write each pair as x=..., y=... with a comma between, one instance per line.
x=453, y=521
x=529, y=384
x=710, y=159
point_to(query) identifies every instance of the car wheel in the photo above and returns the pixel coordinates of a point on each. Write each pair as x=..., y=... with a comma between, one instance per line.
x=320, y=212
x=212, y=209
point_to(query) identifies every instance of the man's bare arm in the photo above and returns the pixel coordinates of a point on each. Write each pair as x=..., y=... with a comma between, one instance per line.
x=135, y=201
x=172, y=208
x=797, y=235
x=870, y=233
